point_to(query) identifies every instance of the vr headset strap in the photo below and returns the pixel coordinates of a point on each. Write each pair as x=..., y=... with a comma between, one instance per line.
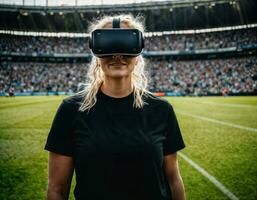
x=116, y=23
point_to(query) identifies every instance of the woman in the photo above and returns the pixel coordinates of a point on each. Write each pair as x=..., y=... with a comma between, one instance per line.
x=119, y=138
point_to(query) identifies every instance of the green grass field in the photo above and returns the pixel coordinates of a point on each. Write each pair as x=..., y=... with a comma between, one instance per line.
x=215, y=129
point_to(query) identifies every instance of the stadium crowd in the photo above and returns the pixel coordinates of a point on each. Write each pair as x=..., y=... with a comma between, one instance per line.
x=41, y=77
x=204, y=77
x=42, y=45
x=195, y=77
x=51, y=45
x=212, y=40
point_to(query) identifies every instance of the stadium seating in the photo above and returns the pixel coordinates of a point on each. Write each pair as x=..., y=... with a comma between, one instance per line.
x=50, y=45
x=194, y=77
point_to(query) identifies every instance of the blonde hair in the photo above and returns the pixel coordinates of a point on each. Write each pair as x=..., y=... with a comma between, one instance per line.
x=95, y=74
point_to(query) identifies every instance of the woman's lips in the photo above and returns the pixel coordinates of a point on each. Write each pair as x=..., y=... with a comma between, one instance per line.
x=117, y=64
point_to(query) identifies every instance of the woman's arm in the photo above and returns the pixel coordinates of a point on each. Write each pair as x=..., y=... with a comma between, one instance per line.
x=59, y=176
x=173, y=176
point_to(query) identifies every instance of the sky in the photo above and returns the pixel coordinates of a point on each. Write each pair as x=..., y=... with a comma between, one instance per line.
x=71, y=2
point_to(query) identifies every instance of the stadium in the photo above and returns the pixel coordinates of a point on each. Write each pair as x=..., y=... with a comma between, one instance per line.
x=201, y=55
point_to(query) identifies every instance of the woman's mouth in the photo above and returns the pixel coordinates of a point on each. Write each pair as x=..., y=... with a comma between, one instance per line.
x=117, y=64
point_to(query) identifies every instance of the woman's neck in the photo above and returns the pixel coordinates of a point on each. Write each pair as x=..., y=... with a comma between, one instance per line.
x=116, y=87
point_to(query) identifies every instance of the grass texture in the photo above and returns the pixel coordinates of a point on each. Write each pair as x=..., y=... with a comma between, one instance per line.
x=226, y=152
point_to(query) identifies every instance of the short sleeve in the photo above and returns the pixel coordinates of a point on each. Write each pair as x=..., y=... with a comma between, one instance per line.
x=173, y=141
x=60, y=138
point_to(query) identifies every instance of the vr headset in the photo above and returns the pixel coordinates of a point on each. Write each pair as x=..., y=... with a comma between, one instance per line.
x=116, y=41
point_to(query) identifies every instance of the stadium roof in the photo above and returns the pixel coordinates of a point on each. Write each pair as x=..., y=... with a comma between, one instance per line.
x=73, y=2
x=159, y=15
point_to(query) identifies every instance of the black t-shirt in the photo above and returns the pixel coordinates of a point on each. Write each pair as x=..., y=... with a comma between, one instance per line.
x=117, y=149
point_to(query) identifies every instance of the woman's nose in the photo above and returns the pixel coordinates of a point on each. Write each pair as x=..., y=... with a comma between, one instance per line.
x=117, y=56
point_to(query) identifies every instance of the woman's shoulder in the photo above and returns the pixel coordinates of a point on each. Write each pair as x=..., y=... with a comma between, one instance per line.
x=73, y=101
x=160, y=102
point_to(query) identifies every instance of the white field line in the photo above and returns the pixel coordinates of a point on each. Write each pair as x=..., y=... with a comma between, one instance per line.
x=211, y=178
x=233, y=105
x=217, y=121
